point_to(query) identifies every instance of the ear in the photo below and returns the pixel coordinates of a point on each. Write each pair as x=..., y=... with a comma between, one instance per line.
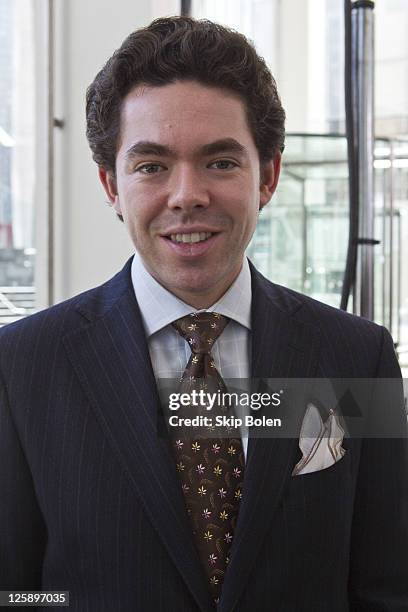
x=108, y=181
x=269, y=179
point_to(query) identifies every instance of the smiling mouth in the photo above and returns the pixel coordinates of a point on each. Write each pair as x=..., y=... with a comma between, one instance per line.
x=190, y=238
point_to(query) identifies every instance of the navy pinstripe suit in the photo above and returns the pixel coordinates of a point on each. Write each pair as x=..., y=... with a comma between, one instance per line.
x=90, y=499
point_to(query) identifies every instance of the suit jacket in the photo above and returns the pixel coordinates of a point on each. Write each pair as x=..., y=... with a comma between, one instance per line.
x=90, y=498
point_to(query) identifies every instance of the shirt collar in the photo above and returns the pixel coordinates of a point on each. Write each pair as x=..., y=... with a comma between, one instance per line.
x=159, y=307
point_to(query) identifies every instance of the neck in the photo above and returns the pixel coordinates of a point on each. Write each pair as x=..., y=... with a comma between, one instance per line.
x=200, y=301
x=205, y=299
x=198, y=298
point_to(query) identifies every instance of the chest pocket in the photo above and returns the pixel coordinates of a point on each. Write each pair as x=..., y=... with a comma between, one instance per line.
x=329, y=484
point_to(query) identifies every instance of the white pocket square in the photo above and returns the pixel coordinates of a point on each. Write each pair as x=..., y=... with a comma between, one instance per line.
x=320, y=443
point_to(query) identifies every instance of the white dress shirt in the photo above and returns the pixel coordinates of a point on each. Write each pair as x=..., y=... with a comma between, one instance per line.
x=169, y=352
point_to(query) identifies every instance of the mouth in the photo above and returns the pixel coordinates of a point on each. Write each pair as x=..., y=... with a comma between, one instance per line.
x=190, y=238
x=191, y=244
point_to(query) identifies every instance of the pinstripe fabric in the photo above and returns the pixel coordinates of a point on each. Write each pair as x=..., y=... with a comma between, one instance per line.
x=88, y=495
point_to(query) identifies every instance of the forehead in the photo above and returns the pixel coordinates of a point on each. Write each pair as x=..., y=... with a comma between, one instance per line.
x=183, y=114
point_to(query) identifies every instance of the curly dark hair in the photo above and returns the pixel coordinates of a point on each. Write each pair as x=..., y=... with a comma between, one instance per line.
x=181, y=48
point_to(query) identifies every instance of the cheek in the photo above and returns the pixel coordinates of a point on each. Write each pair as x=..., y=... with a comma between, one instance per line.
x=136, y=207
x=249, y=221
x=247, y=211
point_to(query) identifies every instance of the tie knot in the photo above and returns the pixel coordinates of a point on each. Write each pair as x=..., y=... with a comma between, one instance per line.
x=201, y=329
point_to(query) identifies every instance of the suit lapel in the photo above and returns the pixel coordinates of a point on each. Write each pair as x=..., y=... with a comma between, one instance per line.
x=111, y=359
x=110, y=356
x=282, y=347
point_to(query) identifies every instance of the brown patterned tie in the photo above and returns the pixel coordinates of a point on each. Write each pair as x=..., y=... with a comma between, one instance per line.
x=211, y=469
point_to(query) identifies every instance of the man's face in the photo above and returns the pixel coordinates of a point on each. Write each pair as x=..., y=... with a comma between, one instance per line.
x=188, y=185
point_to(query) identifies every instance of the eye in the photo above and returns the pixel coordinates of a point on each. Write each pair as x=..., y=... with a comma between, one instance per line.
x=224, y=164
x=150, y=168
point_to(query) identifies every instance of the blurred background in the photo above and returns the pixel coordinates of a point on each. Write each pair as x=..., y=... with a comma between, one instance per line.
x=58, y=236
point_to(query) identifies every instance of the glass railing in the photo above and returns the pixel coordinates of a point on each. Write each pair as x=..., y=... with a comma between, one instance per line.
x=302, y=235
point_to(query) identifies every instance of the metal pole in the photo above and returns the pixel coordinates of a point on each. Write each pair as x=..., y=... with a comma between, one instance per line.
x=397, y=340
x=363, y=63
x=383, y=242
x=185, y=8
x=391, y=279
x=51, y=224
x=304, y=236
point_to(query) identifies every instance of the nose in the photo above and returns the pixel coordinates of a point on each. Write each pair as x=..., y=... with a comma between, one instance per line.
x=187, y=190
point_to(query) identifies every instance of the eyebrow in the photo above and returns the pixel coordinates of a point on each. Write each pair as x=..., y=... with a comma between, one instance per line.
x=147, y=147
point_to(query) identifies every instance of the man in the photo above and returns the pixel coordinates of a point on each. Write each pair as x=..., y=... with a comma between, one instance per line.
x=186, y=126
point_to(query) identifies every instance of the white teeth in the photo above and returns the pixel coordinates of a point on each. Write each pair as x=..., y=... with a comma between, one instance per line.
x=194, y=237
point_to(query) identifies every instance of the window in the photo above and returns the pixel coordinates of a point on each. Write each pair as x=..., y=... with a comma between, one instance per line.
x=22, y=153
